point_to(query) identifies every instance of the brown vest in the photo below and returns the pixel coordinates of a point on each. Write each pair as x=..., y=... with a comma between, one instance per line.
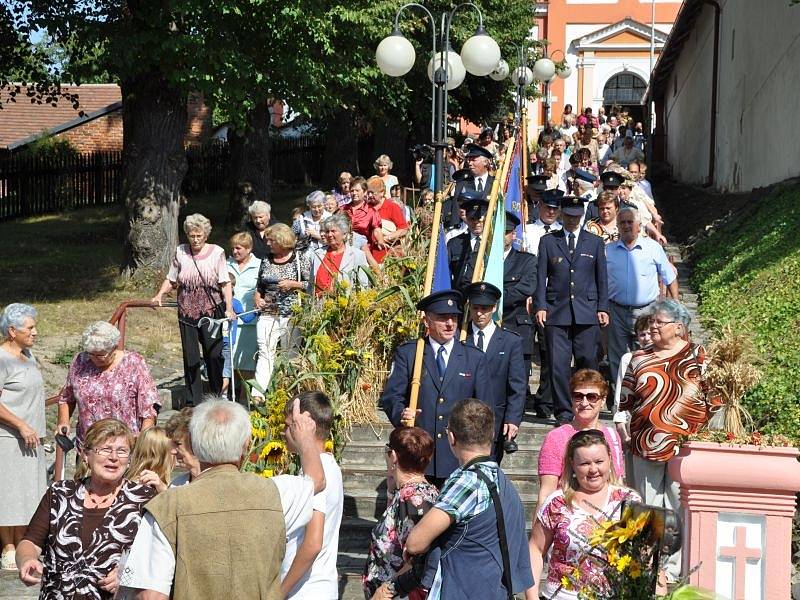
x=228, y=535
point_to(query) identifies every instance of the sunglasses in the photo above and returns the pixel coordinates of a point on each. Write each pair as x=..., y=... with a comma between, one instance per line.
x=591, y=397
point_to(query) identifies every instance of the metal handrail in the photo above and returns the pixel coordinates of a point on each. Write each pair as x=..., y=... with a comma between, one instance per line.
x=118, y=319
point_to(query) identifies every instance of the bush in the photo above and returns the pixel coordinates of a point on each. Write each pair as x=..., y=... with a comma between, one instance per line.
x=747, y=276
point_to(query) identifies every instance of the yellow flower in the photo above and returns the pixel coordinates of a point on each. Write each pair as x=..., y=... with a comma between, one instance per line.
x=328, y=446
x=342, y=301
x=566, y=583
x=267, y=473
x=623, y=562
x=367, y=356
x=344, y=283
x=635, y=570
x=273, y=450
x=349, y=352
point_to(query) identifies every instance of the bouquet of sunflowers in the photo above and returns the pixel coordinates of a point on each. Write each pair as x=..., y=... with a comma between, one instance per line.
x=625, y=553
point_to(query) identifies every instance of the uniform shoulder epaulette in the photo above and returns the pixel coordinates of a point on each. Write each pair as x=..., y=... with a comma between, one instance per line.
x=511, y=332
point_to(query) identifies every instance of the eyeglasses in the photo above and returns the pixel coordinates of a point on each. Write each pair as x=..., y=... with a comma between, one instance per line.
x=660, y=324
x=101, y=355
x=591, y=397
x=106, y=452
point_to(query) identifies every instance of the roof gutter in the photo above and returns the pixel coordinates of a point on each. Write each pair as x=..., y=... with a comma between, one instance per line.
x=712, y=154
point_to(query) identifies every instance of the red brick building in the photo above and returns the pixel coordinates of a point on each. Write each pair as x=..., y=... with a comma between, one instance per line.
x=100, y=127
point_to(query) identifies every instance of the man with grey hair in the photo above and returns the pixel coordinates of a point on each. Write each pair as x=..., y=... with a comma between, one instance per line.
x=260, y=213
x=224, y=535
x=635, y=265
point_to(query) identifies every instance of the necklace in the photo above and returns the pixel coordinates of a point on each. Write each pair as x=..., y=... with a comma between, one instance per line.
x=96, y=499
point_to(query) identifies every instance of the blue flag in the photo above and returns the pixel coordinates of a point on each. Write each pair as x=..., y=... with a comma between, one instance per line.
x=513, y=194
x=441, y=269
x=496, y=249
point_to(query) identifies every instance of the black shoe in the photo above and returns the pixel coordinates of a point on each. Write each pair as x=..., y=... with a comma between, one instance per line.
x=542, y=413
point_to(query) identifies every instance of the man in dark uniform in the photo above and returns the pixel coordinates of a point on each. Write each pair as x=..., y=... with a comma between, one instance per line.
x=463, y=249
x=571, y=300
x=611, y=182
x=479, y=161
x=519, y=285
x=504, y=357
x=450, y=205
x=451, y=371
x=535, y=186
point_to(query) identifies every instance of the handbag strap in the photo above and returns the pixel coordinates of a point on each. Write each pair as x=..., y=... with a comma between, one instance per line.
x=203, y=281
x=501, y=522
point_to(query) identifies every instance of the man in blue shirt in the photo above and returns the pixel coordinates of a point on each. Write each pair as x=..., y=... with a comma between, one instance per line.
x=635, y=266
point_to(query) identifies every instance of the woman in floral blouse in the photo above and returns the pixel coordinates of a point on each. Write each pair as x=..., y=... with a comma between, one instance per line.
x=105, y=382
x=410, y=496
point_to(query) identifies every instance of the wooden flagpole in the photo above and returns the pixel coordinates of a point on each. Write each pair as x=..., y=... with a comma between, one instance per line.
x=524, y=159
x=479, y=267
x=416, y=374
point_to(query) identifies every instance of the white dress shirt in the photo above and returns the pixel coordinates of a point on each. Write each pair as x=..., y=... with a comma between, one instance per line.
x=534, y=232
x=482, y=179
x=448, y=348
x=488, y=332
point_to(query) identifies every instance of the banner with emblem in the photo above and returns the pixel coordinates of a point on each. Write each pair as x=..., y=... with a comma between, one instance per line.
x=441, y=270
x=512, y=192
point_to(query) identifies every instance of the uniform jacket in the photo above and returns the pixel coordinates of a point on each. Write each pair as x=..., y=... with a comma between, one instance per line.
x=461, y=259
x=509, y=376
x=519, y=284
x=450, y=212
x=576, y=285
x=466, y=376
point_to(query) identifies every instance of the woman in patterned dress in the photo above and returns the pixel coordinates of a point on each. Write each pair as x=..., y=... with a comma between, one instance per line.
x=200, y=276
x=81, y=529
x=590, y=494
x=665, y=394
x=606, y=224
x=105, y=381
x=410, y=496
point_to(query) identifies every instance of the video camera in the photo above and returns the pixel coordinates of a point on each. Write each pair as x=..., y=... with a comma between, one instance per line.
x=422, y=152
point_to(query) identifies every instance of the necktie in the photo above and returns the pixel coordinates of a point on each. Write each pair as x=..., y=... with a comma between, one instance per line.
x=476, y=243
x=479, y=185
x=547, y=228
x=440, y=364
x=480, y=340
x=571, y=242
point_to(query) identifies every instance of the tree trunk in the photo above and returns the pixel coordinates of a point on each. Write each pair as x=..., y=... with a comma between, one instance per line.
x=250, y=170
x=341, y=147
x=153, y=167
x=391, y=138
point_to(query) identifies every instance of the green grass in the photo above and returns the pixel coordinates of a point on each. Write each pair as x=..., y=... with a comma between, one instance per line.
x=748, y=275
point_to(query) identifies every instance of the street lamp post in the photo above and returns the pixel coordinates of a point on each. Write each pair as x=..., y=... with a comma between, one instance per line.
x=395, y=56
x=479, y=56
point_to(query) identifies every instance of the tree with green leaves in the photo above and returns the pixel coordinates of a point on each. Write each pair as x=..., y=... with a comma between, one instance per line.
x=317, y=55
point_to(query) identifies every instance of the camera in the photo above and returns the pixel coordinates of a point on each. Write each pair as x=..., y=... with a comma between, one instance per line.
x=422, y=152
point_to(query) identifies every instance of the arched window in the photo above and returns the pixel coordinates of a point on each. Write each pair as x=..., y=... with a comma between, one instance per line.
x=622, y=89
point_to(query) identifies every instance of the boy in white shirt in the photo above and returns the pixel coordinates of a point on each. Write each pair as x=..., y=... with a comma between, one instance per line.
x=309, y=565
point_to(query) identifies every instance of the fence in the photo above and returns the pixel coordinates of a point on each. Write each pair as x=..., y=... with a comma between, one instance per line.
x=37, y=185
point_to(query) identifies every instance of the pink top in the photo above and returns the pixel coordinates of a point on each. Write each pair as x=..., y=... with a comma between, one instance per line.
x=199, y=288
x=551, y=454
x=127, y=392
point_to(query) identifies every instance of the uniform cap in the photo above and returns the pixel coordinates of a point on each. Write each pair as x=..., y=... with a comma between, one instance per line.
x=483, y=293
x=512, y=221
x=572, y=206
x=611, y=179
x=474, y=207
x=537, y=182
x=476, y=150
x=552, y=198
x=444, y=302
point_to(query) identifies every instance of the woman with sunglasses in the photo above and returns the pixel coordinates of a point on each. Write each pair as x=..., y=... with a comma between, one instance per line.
x=588, y=389
x=590, y=493
x=667, y=398
x=81, y=529
x=410, y=497
x=105, y=381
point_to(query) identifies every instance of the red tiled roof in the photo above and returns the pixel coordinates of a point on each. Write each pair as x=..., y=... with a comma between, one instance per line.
x=22, y=119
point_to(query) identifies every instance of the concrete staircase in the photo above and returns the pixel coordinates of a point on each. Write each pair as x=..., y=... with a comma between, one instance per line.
x=364, y=476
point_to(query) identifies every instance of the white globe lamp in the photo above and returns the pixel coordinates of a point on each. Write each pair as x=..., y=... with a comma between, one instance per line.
x=501, y=71
x=395, y=55
x=480, y=53
x=455, y=68
x=522, y=76
x=564, y=72
x=544, y=69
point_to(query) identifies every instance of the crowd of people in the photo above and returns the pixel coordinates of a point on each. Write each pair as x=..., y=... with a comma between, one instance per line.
x=588, y=294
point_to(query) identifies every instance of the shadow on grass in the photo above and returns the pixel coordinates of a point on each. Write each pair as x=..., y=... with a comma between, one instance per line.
x=76, y=254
